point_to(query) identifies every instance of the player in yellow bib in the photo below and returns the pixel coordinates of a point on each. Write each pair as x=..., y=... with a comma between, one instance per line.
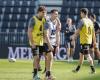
x=37, y=31
x=87, y=35
x=35, y=35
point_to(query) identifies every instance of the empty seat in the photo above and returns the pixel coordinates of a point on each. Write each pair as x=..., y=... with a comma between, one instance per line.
x=1, y=3
x=21, y=25
x=0, y=25
x=3, y=30
x=7, y=17
x=0, y=10
x=26, y=3
x=96, y=10
x=31, y=10
x=3, y=10
x=32, y=4
x=19, y=30
x=6, y=38
x=22, y=17
x=72, y=11
x=15, y=17
x=24, y=10
x=81, y=4
x=89, y=4
x=1, y=17
x=12, y=25
x=17, y=3
x=8, y=10
x=5, y=25
x=97, y=4
x=9, y=3
x=17, y=10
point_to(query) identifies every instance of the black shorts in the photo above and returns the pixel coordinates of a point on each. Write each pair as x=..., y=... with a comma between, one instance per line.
x=54, y=52
x=85, y=48
x=46, y=48
x=38, y=50
x=68, y=44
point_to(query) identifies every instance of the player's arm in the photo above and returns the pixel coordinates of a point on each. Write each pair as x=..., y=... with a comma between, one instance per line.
x=58, y=24
x=30, y=28
x=80, y=25
x=46, y=35
x=73, y=30
x=94, y=38
x=58, y=32
x=57, y=38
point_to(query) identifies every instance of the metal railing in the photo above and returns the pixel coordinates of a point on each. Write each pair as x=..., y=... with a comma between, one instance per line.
x=20, y=38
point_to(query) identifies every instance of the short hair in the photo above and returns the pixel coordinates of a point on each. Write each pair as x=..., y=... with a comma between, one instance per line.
x=54, y=10
x=84, y=10
x=93, y=16
x=41, y=8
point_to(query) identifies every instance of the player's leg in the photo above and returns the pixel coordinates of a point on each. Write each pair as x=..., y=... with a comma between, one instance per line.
x=90, y=60
x=72, y=49
x=39, y=65
x=48, y=61
x=45, y=62
x=81, y=59
x=97, y=52
x=41, y=50
x=49, y=58
x=96, y=48
x=92, y=53
x=67, y=45
x=35, y=62
x=54, y=52
x=46, y=50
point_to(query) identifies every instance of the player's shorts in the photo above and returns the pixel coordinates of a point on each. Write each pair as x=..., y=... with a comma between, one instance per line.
x=68, y=43
x=85, y=48
x=38, y=50
x=54, y=52
x=46, y=49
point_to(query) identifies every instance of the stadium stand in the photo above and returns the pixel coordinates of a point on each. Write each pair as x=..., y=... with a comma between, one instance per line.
x=15, y=14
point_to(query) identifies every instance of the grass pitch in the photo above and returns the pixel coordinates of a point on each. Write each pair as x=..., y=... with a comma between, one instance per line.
x=62, y=70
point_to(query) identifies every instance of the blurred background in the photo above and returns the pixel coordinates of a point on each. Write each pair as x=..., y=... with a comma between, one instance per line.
x=15, y=14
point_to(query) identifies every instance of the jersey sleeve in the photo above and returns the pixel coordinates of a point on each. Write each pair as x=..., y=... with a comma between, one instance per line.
x=80, y=24
x=46, y=26
x=31, y=23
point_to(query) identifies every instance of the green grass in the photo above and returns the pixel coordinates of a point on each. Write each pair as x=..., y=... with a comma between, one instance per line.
x=22, y=70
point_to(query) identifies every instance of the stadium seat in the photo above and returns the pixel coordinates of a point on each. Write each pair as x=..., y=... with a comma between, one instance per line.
x=1, y=3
